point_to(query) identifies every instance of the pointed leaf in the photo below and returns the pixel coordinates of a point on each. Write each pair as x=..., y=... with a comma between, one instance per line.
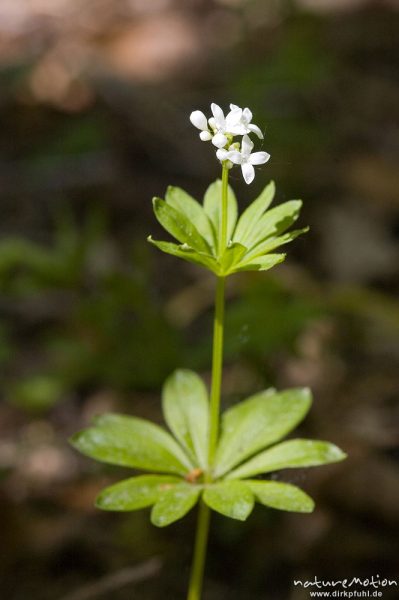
x=177, y=224
x=134, y=493
x=261, y=263
x=275, y=221
x=232, y=499
x=185, y=407
x=250, y=217
x=187, y=254
x=174, y=503
x=231, y=257
x=289, y=455
x=213, y=207
x=193, y=210
x=272, y=243
x=282, y=496
x=257, y=423
x=132, y=442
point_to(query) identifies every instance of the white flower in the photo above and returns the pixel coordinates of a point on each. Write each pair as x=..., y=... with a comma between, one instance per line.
x=245, y=158
x=221, y=129
x=223, y=126
x=199, y=120
x=237, y=122
x=222, y=154
x=243, y=125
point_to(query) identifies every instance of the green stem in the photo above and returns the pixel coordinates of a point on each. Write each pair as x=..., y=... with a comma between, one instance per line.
x=223, y=219
x=218, y=330
x=217, y=365
x=201, y=540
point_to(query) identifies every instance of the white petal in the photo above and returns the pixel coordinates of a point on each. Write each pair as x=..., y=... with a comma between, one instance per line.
x=212, y=123
x=198, y=119
x=222, y=154
x=218, y=115
x=248, y=172
x=246, y=145
x=205, y=136
x=235, y=157
x=247, y=115
x=256, y=130
x=259, y=158
x=219, y=140
x=234, y=107
x=233, y=119
x=238, y=129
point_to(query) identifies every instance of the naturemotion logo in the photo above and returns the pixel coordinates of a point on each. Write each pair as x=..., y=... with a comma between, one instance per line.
x=369, y=587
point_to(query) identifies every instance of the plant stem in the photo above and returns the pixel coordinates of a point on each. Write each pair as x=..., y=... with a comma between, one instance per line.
x=223, y=217
x=217, y=364
x=218, y=330
x=201, y=540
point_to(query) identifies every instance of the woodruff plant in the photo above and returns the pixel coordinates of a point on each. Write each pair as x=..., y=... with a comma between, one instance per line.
x=216, y=462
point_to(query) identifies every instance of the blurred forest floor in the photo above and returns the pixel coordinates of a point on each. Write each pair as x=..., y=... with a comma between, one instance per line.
x=94, y=107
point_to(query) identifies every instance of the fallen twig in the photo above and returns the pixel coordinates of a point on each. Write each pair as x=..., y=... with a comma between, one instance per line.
x=116, y=580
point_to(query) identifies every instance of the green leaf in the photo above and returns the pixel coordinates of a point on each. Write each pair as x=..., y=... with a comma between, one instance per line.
x=134, y=493
x=258, y=422
x=250, y=217
x=174, y=503
x=274, y=222
x=232, y=499
x=132, y=442
x=186, y=204
x=185, y=407
x=289, y=455
x=231, y=257
x=282, y=496
x=186, y=254
x=261, y=263
x=274, y=242
x=213, y=207
x=177, y=224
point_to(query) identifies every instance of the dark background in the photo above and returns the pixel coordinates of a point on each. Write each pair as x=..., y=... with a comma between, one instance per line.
x=95, y=98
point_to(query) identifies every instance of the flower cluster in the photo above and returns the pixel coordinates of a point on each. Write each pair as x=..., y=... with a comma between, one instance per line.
x=222, y=130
